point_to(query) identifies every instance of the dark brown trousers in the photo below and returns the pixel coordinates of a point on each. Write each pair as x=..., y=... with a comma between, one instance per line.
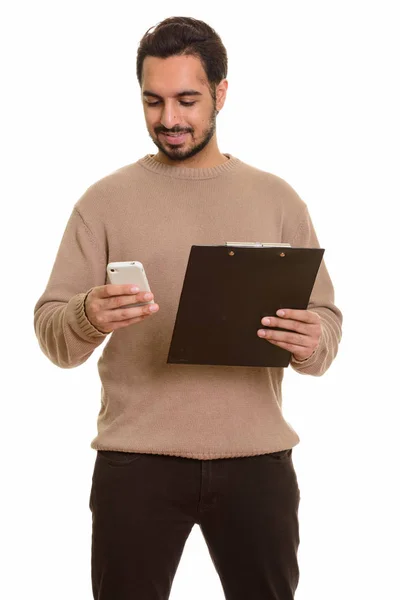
x=145, y=505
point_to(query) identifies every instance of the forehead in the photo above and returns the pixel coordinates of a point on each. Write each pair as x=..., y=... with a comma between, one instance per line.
x=167, y=76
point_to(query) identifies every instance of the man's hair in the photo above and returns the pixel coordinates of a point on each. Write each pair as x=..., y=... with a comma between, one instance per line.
x=180, y=36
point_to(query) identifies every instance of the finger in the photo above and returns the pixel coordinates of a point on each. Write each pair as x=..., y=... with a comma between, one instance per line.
x=119, y=324
x=305, y=316
x=293, y=348
x=118, y=301
x=285, y=324
x=110, y=289
x=285, y=337
x=126, y=314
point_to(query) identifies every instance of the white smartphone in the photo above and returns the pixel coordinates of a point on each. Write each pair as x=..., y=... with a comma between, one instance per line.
x=131, y=271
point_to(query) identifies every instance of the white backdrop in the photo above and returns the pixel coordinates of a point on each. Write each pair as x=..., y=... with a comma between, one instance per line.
x=313, y=98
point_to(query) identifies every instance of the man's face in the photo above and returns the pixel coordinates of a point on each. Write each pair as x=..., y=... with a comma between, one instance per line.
x=192, y=115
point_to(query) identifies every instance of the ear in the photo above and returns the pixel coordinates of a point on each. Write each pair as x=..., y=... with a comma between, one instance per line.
x=221, y=92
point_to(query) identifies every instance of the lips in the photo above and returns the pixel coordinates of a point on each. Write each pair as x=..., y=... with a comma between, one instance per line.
x=175, y=138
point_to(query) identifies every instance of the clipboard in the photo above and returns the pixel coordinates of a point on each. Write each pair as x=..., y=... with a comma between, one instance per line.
x=227, y=290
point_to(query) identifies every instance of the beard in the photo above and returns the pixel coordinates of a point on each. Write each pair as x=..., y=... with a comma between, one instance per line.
x=181, y=153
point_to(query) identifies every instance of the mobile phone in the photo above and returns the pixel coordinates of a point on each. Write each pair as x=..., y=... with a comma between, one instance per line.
x=131, y=271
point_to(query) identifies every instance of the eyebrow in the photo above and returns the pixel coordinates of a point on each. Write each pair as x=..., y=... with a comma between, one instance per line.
x=184, y=93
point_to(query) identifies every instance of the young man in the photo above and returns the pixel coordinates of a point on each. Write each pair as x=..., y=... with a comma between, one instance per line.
x=184, y=444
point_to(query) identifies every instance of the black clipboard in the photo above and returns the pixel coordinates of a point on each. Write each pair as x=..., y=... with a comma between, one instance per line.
x=226, y=292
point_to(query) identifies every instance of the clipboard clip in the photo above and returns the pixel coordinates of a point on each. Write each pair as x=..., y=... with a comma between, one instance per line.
x=257, y=244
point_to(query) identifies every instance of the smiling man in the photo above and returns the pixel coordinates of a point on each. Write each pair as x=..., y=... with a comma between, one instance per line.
x=179, y=445
x=182, y=125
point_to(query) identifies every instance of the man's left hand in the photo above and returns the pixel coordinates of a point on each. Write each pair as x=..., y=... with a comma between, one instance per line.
x=304, y=335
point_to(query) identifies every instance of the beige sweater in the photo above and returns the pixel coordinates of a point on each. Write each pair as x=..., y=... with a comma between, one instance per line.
x=153, y=213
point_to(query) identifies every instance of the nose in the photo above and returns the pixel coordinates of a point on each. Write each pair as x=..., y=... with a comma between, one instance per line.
x=169, y=116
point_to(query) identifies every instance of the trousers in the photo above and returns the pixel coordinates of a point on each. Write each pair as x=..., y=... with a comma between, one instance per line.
x=144, y=506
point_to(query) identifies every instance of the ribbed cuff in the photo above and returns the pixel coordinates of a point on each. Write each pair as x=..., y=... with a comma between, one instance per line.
x=83, y=326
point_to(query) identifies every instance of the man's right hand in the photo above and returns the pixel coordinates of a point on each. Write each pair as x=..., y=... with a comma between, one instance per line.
x=104, y=306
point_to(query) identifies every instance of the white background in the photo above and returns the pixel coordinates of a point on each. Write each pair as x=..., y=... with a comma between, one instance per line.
x=312, y=98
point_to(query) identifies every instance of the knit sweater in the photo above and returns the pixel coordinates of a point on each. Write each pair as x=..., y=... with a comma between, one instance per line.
x=153, y=213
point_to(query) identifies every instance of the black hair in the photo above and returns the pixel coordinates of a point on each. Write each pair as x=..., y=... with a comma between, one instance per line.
x=180, y=36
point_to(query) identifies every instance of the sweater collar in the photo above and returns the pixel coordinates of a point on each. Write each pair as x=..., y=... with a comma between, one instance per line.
x=149, y=162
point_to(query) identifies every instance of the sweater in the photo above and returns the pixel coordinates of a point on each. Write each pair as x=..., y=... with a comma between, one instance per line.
x=153, y=213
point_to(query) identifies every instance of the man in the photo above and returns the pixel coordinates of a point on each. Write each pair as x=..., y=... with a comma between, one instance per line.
x=184, y=444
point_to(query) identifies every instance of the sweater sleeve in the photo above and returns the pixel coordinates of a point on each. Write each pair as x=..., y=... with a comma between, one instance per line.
x=322, y=302
x=64, y=332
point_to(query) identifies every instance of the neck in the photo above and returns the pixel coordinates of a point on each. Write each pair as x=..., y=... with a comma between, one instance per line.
x=207, y=158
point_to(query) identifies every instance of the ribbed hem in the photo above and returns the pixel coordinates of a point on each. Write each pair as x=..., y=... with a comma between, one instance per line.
x=198, y=455
x=150, y=163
